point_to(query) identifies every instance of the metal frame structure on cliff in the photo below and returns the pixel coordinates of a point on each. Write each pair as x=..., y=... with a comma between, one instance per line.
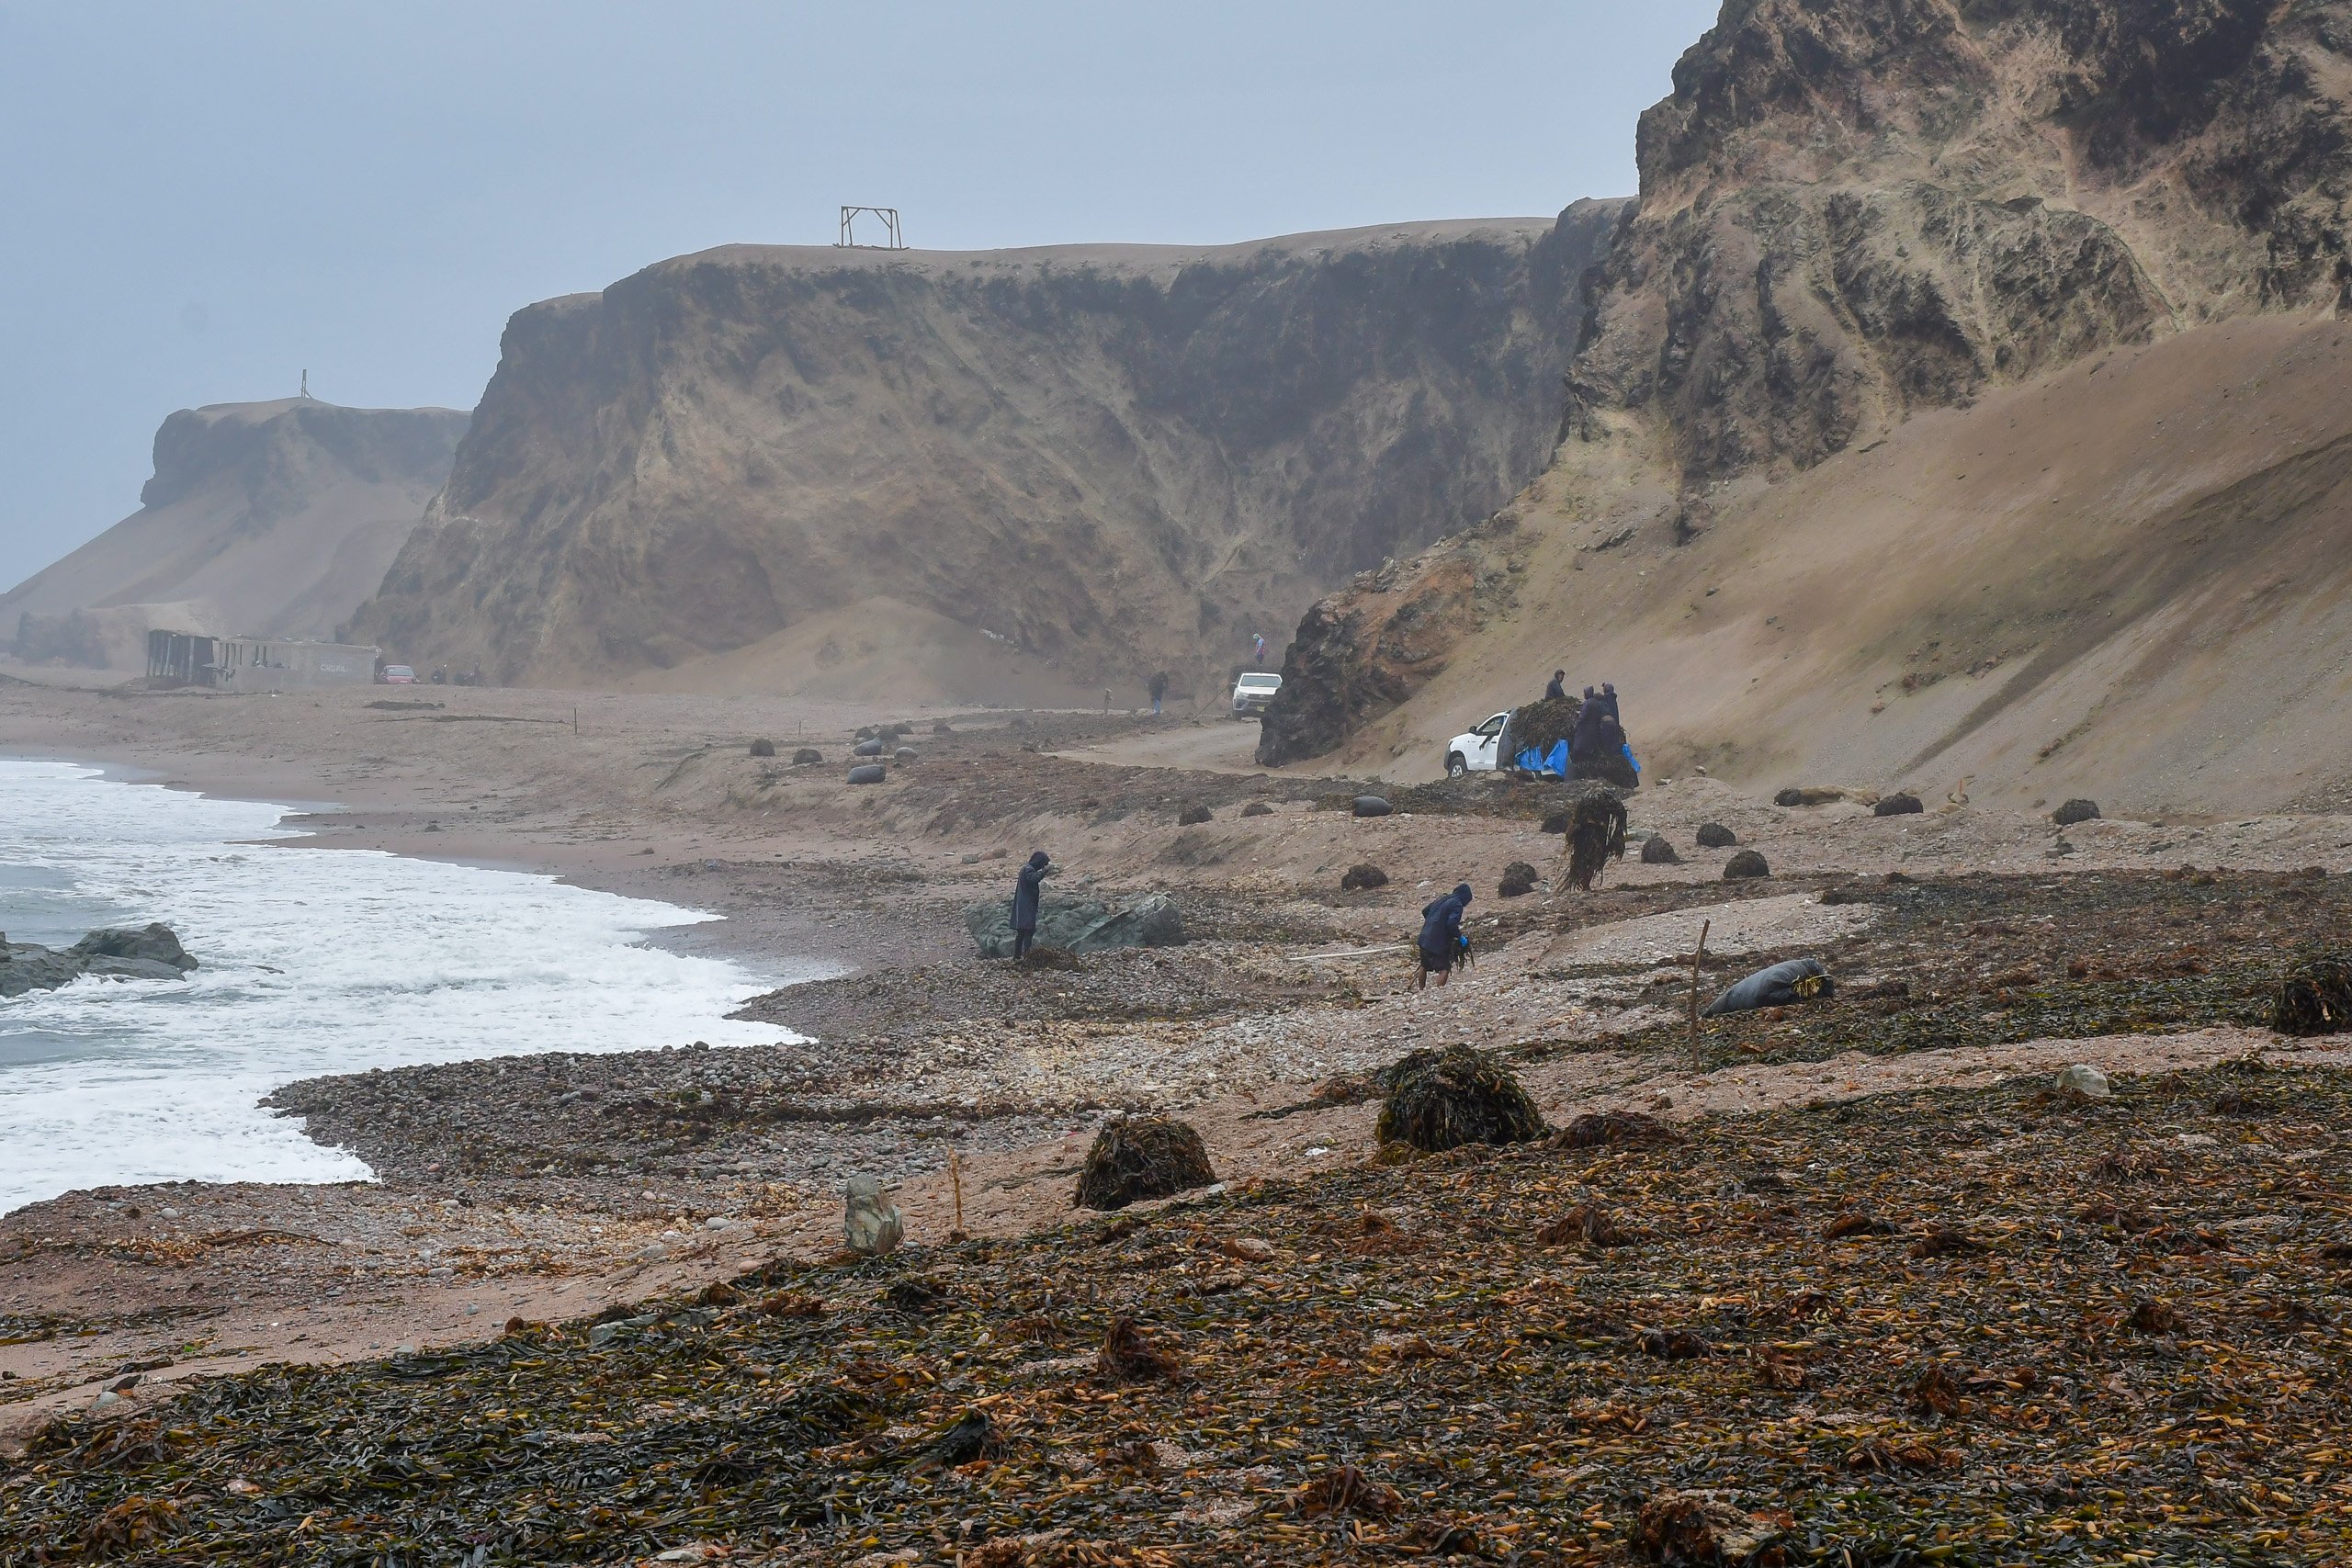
x=889, y=216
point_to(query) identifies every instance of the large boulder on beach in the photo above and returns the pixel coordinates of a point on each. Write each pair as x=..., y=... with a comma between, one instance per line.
x=1072, y=925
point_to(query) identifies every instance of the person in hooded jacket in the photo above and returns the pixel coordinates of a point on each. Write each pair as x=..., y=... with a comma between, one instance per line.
x=1027, y=894
x=1599, y=732
x=1440, y=942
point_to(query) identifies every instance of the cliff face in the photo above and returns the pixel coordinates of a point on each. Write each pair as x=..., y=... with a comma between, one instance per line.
x=1855, y=212
x=273, y=519
x=1108, y=458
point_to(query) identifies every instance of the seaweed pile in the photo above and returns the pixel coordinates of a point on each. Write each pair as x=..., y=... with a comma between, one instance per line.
x=1985, y=1328
x=1596, y=836
x=1135, y=1159
x=1439, y=1101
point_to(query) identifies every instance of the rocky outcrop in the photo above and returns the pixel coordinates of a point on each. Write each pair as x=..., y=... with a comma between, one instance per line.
x=1852, y=211
x=1116, y=459
x=1371, y=647
x=116, y=953
x=1073, y=925
x=270, y=519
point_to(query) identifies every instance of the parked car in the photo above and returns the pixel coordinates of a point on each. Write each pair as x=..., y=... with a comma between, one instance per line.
x=1253, y=691
x=1478, y=750
x=397, y=675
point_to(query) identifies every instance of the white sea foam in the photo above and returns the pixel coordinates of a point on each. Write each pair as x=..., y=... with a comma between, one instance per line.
x=315, y=961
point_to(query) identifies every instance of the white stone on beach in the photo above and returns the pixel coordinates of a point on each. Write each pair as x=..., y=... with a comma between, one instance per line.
x=2087, y=1082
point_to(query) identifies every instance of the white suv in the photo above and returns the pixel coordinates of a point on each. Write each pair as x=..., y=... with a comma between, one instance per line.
x=1252, y=692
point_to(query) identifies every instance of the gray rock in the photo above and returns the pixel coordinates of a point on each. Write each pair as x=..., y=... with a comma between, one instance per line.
x=1076, y=925
x=873, y=746
x=1715, y=836
x=806, y=755
x=1900, y=803
x=868, y=774
x=2084, y=1081
x=1659, y=851
x=154, y=954
x=1745, y=865
x=2075, y=811
x=157, y=944
x=1373, y=806
x=871, y=1224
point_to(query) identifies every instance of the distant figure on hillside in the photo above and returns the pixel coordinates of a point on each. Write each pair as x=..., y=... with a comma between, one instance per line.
x=1258, y=649
x=1558, y=688
x=1442, y=943
x=1157, y=686
x=1027, y=894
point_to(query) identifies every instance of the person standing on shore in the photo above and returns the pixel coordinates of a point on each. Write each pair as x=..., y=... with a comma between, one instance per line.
x=1157, y=686
x=1440, y=942
x=1027, y=894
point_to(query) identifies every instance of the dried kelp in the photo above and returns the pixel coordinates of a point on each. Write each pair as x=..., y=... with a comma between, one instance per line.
x=1736, y=1386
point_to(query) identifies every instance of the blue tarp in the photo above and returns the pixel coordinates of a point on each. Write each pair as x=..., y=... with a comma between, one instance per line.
x=1554, y=763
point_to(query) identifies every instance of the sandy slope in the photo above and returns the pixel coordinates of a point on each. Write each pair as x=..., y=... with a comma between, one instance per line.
x=2125, y=581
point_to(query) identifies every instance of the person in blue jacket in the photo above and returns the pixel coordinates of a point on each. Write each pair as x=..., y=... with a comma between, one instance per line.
x=1027, y=893
x=1441, y=942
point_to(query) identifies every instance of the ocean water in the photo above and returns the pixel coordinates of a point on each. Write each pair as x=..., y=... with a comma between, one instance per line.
x=313, y=961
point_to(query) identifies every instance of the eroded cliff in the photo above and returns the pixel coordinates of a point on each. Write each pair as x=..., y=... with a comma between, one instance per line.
x=1853, y=214
x=273, y=519
x=1103, y=460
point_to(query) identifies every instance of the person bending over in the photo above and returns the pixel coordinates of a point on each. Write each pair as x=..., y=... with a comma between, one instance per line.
x=1441, y=942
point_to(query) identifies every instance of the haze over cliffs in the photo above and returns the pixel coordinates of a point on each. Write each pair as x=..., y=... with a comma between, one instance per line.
x=1964, y=399
x=273, y=518
x=956, y=473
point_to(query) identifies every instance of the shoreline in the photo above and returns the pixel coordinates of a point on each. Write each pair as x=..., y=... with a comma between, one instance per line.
x=549, y=1186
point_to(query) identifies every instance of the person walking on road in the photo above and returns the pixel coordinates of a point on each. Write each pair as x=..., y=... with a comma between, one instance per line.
x=1157, y=686
x=1027, y=894
x=1441, y=942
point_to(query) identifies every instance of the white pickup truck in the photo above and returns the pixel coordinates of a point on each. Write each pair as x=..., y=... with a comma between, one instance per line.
x=1477, y=751
x=1253, y=691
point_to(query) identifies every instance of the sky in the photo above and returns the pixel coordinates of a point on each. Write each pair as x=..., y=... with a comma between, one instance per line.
x=199, y=199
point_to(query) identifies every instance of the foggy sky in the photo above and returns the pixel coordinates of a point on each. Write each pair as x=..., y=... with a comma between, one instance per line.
x=200, y=199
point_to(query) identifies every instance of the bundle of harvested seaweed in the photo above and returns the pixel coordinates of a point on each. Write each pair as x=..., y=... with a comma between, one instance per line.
x=1137, y=1157
x=1442, y=1100
x=1541, y=726
x=1596, y=836
x=2316, y=998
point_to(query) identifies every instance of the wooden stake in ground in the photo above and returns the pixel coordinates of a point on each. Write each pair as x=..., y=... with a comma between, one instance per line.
x=955, y=1178
x=1698, y=1062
